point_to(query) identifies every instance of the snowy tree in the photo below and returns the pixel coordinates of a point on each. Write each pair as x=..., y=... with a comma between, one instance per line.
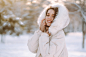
x=9, y=22
x=18, y=14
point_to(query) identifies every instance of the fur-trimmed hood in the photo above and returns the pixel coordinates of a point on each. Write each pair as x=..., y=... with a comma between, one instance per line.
x=61, y=20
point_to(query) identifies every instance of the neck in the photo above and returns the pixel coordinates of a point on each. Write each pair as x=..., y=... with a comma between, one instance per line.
x=47, y=27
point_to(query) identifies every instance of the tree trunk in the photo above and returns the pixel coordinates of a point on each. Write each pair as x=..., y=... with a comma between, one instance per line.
x=83, y=28
x=2, y=39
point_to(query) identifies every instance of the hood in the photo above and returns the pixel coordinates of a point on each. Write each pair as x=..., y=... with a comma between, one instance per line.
x=60, y=21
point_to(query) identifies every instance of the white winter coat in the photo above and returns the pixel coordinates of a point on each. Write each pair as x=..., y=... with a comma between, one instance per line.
x=54, y=45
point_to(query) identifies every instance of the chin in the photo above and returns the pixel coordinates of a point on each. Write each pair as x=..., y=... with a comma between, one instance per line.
x=48, y=24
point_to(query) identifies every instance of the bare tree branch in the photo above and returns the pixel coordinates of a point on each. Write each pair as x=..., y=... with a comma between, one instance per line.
x=79, y=10
x=74, y=4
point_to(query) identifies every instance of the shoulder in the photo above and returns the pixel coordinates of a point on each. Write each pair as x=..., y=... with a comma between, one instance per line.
x=59, y=34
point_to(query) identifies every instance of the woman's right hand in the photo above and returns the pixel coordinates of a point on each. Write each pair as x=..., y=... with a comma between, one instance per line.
x=42, y=26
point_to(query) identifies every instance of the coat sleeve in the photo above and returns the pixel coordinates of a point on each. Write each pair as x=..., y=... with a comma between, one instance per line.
x=33, y=42
x=50, y=48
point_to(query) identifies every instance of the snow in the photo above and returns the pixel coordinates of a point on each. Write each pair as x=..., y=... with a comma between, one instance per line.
x=17, y=46
x=6, y=17
x=17, y=18
x=74, y=45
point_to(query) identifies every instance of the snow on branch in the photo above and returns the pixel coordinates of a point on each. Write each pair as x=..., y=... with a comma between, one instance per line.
x=74, y=4
x=79, y=10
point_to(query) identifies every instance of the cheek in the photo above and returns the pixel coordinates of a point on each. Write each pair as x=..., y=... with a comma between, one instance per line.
x=46, y=19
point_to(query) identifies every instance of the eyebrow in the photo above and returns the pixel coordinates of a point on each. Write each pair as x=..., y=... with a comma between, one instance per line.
x=48, y=13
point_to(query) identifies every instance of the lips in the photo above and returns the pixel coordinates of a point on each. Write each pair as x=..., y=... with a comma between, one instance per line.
x=49, y=21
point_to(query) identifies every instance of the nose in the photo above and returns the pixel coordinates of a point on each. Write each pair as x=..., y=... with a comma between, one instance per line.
x=50, y=18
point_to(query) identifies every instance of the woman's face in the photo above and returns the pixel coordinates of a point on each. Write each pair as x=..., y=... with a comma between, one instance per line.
x=50, y=17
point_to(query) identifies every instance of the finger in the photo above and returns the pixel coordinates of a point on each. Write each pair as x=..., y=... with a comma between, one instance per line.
x=43, y=20
x=44, y=23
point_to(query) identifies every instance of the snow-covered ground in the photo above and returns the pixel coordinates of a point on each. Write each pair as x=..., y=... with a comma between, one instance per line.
x=17, y=46
x=74, y=45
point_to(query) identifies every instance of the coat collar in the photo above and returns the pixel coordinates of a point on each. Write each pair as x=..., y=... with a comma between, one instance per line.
x=61, y=20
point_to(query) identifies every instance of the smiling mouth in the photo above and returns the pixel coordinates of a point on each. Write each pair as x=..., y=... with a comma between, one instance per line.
x=49, y=21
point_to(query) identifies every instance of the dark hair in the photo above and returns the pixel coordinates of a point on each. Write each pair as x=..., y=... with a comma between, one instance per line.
x=55, y=9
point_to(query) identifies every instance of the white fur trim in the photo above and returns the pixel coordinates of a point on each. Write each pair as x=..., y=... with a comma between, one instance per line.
x=61, y=20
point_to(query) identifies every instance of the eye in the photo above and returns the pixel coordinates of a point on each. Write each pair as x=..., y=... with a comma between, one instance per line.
x=47, y=15
x=53, y=15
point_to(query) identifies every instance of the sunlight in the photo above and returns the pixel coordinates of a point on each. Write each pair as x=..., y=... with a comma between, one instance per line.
x=28, y=3
x=34, y=1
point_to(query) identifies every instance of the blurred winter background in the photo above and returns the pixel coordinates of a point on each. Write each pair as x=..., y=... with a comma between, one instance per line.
x=18, y=21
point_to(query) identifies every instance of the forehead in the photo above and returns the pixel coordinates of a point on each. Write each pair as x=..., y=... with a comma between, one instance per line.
x=51, y=11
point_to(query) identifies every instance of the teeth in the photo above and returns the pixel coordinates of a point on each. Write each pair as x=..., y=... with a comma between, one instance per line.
x=49, y=21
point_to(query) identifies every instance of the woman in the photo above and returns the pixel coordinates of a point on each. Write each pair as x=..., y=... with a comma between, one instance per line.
x=49, y=39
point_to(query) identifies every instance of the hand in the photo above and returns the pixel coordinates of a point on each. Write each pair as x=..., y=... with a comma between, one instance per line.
x=42, y=26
